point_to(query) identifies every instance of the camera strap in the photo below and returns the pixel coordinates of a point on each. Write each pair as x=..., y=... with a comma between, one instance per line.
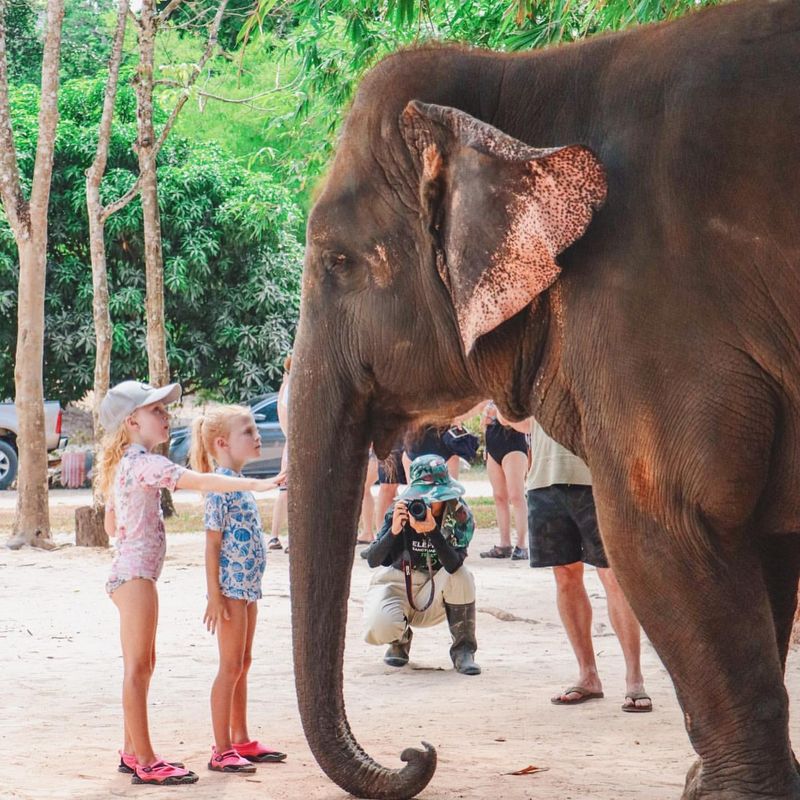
x=407, y=570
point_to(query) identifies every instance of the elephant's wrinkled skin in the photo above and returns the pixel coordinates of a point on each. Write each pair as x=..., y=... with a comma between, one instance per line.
x=640, y=298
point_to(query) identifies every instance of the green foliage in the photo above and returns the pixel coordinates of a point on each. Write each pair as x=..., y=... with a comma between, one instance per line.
x=231, y=252
x=86, y=37
x=336, y=41
x=23, y=44
x=191, y=18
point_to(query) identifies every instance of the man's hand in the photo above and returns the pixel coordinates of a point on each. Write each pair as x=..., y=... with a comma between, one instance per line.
x=216, y=611
x=400, y=517
x=427, y=525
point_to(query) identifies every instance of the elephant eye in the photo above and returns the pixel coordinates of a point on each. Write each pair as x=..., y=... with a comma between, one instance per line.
x=334, y=262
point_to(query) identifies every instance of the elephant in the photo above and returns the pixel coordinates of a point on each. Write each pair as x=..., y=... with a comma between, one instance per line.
x=603, y=236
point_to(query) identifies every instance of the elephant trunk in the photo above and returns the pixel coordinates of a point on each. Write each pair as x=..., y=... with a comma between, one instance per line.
x=328, y=446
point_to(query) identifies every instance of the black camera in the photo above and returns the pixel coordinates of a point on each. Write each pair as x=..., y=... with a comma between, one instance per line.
x=418, y=509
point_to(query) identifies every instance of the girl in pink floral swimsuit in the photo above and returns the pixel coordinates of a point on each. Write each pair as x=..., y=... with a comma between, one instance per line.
x=136, y=420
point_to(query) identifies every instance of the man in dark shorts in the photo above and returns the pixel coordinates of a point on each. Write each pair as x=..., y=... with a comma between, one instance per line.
x=563, y=534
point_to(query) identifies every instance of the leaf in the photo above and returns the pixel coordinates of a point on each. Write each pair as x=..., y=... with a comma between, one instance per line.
x=529, y=770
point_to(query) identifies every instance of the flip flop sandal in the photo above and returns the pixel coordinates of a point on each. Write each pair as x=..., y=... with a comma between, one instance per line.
x=364, y=541
x=259, y=753
x=159, y=773
x=585, y=695
x=634, y=709
x=127, y=761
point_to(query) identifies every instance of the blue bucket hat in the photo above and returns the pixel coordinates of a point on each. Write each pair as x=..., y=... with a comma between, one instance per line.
x=430, y=480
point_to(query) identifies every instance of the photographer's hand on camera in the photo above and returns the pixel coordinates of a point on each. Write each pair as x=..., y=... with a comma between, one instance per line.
x=424, y=526
x=400, y=518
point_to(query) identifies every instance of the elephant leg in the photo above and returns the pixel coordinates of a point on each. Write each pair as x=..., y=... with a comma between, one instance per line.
x=780, y=559
x=701, y=596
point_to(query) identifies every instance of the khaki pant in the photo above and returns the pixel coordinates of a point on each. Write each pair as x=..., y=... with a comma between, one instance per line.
x=387, y=610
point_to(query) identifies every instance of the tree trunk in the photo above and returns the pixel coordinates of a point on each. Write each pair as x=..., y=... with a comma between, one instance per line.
x=146, y=151
x=28, y=222
x=32, y=522
x=97, y=245
x=89, y=528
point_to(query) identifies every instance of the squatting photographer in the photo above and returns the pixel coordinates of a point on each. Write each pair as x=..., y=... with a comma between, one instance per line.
x=420, y=577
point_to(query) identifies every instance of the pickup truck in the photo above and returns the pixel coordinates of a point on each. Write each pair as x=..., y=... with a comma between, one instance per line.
x=8, y=437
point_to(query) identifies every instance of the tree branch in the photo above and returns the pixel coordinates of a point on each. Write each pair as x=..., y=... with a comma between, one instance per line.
x=244, y=101
x=48, y=110
x=121, y=202
x=166, y=12
x=211, y=45
x=98, y=167
x=197, y=70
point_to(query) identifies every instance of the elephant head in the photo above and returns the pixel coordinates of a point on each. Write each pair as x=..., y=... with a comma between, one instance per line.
x=433, y=234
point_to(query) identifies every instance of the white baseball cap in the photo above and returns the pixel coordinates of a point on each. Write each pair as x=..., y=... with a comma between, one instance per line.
x=124, y=398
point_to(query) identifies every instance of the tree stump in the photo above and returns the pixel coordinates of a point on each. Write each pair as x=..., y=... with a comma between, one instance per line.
x=89, y=528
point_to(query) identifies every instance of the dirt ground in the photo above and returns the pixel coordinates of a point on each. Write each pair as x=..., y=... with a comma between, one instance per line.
x=60, y=716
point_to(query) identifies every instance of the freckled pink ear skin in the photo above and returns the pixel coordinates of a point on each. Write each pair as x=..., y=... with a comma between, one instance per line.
x=547, y=210
x=511, y=209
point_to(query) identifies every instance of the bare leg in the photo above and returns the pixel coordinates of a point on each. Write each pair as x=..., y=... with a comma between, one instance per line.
x=368, y=503
x=627, y=628
x=453, y=466
x=497, y=479
x=279, y=514
x=515, y=467
x=239, y=731
x=127, y=747
x=575, y=611
x=386, y=493
x=231, y=638
x=137, y=601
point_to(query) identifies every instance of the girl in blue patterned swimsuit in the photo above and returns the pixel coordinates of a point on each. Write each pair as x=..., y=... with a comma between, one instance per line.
x=226, y=438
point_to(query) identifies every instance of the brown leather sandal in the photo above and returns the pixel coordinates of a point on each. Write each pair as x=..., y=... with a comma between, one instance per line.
x=498, y=552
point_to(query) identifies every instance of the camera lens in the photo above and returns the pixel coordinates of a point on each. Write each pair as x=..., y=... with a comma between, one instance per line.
x=417, y=509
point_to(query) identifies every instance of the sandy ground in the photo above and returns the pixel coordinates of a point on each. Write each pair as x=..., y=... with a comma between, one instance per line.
x=60, y=716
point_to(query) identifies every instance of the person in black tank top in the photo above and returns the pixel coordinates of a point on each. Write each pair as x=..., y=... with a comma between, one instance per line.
x=507, y=465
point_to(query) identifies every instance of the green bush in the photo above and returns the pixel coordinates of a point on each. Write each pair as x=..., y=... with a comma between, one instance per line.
x=232, y=258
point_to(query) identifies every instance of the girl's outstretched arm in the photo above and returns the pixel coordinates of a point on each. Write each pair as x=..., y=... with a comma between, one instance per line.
x=212, y=482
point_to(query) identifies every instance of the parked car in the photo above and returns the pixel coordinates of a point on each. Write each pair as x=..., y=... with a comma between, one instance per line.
x=265, y=411
x=9, y=425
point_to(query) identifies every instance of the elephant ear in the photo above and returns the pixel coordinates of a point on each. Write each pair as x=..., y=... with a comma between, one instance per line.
x=499, y=211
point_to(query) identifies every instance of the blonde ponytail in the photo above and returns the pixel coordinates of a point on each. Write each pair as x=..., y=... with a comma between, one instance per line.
x=213, y=424
x=199, y=456
x=112, y=447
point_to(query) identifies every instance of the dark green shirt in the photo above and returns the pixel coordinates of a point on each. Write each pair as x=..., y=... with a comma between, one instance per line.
x=447, y=544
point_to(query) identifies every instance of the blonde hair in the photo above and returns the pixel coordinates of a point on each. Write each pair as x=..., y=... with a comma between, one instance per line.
x=214, y=423
x=111, y=449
